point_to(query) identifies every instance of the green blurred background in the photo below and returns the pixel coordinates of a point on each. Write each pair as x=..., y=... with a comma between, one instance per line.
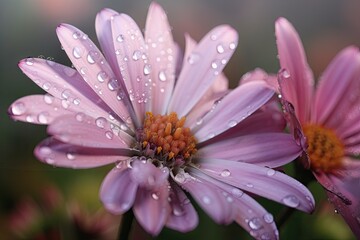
x=27, y=28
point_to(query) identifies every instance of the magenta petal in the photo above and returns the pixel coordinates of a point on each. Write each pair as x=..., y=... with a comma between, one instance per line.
x=265, y=182
x=183, y=215
x=56, y=153
x=151, y=208
x=118, y=191
x=82, y=130
x=338, y=88
x=298, y=88
x=266, y=149
x=147, y=175
x=162, y=51
x=90, y=62
x=226, y=114
x=201, y=68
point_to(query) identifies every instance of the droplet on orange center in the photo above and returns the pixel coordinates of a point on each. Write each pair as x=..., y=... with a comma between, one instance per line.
x=325, y=149
x=167, y=134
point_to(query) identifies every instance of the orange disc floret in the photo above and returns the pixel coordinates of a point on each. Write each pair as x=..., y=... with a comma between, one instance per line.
x=168, y=135
x=325, y=149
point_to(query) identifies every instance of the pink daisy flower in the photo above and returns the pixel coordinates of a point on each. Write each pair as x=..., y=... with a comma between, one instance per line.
x=325, y=118
x=168, y=123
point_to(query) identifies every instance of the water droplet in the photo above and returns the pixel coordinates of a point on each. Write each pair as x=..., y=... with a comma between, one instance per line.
x=270, y=172
x=77, y=35
x=232, y=123
x=249, y=185
x=80, y=117
x=43, y=117
x=65, y=94
x=265, y=236
x=213, y=37
x=237, y=192
x=77, y=52
x=180, y=178
x=220, y=48
x=109, y=135
x=70, y=156
x=49, y=99
x=336, y=211
x=120, y=38
x=93, y=56
x=113, y=84
x=268, y=217
x=85, y=37
x=255, y=224
x=102, y=76
x=46, y=86
x=100, y=122
x=30, y=118
x=206, y=200
x=199, y=121
x=45, y=150
x=162, y=76
x=214, y=65
x=65, y=104
x=155, y=196
x=29, y=61
x=147, y=69
x=211, y=135
x=285, y=74
x=229, y=199
x=225, y=173
x=232, y=46
x=18, y=108
x=193, y=58
x=178, y=211
x=136, y=55
x=76, y=101
x=291, y=201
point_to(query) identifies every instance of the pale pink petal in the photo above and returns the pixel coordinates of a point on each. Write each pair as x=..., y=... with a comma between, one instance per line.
x=151, y=208
x=95, y=70
x=201, y=68
x=338, y=88
x=147, y=175
x=245, y=210
x=82, y=130
x=56, y=153
x=349, y=127
x=259, y=74
x=133, y=63
x=232, y=109
x=161, y=52
x=68, y=85
x=118, y=191
x=263, y=149
x=208, y=196
x=183, y=217
x=265, y=182
x=38, y=109
x=298, y=87
x=104, y=35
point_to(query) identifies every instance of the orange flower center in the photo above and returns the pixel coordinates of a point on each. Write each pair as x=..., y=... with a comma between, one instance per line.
x=169, y=138
x=325, y=148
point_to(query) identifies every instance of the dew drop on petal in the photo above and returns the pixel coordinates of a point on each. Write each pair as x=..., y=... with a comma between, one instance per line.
x=76, y=35
x=214, y=65
x=220, y=48
x=265, y=236
x=46, y=86
x=77, y=52
x=113, y=84
x=70, y=156
x=193, y=58
x=237, y=192
x=92, y=57
x=18, y=108
x=65, y=104
x=49, y=99
x=206, y=200
x=232, y=123
x=162, y=76
x=76, y=101
x=29, y=61
x=285, y=74
x=45, y=150
x=155, y=196
x=225, y=173
x=178, y=212
x=249, y=185
x=109, y=135
x=291, y=201
x=255, y=224
x=43, y=117
x=80, y=117
x=30, y=118
x=102, y=76
x=65, y=94
x=268, y=218
x=100, y=122
x=120, y=38
x=147, y=69
x=270, y=172
x=232, y=46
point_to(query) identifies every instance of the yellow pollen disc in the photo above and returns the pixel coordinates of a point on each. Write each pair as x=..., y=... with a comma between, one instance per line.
x=169, y=136
x=325, y=148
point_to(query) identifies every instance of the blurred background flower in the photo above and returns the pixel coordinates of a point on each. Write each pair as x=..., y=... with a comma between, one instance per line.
x=28, y=29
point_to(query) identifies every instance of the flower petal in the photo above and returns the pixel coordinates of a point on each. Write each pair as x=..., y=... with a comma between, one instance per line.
x=263, y=149
x=265, y=182
x=151, y=208
x=161, y=50
x=118, y=191
x=298, y=87
x=89, y=61
x=86, y=131
x=56, y=153
x=201, y=68
x=147, y=175
x=226, y=114
x=338, y=88
x=183, y=217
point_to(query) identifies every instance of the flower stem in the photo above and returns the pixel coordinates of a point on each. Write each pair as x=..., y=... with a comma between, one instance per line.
x=125, y=225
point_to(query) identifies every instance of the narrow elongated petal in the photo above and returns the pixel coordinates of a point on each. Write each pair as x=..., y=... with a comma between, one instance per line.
x=148, y=176
x=151, y=208
x=338, y=88
x=266, y=149
x=232, y=109
x=161, y=50
x=56, y=153
x=183, y=216
x=201, y=68
x=118, y=191
x=298, y=88
x=86, y=131
x=90, y=62
x=262, y=181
